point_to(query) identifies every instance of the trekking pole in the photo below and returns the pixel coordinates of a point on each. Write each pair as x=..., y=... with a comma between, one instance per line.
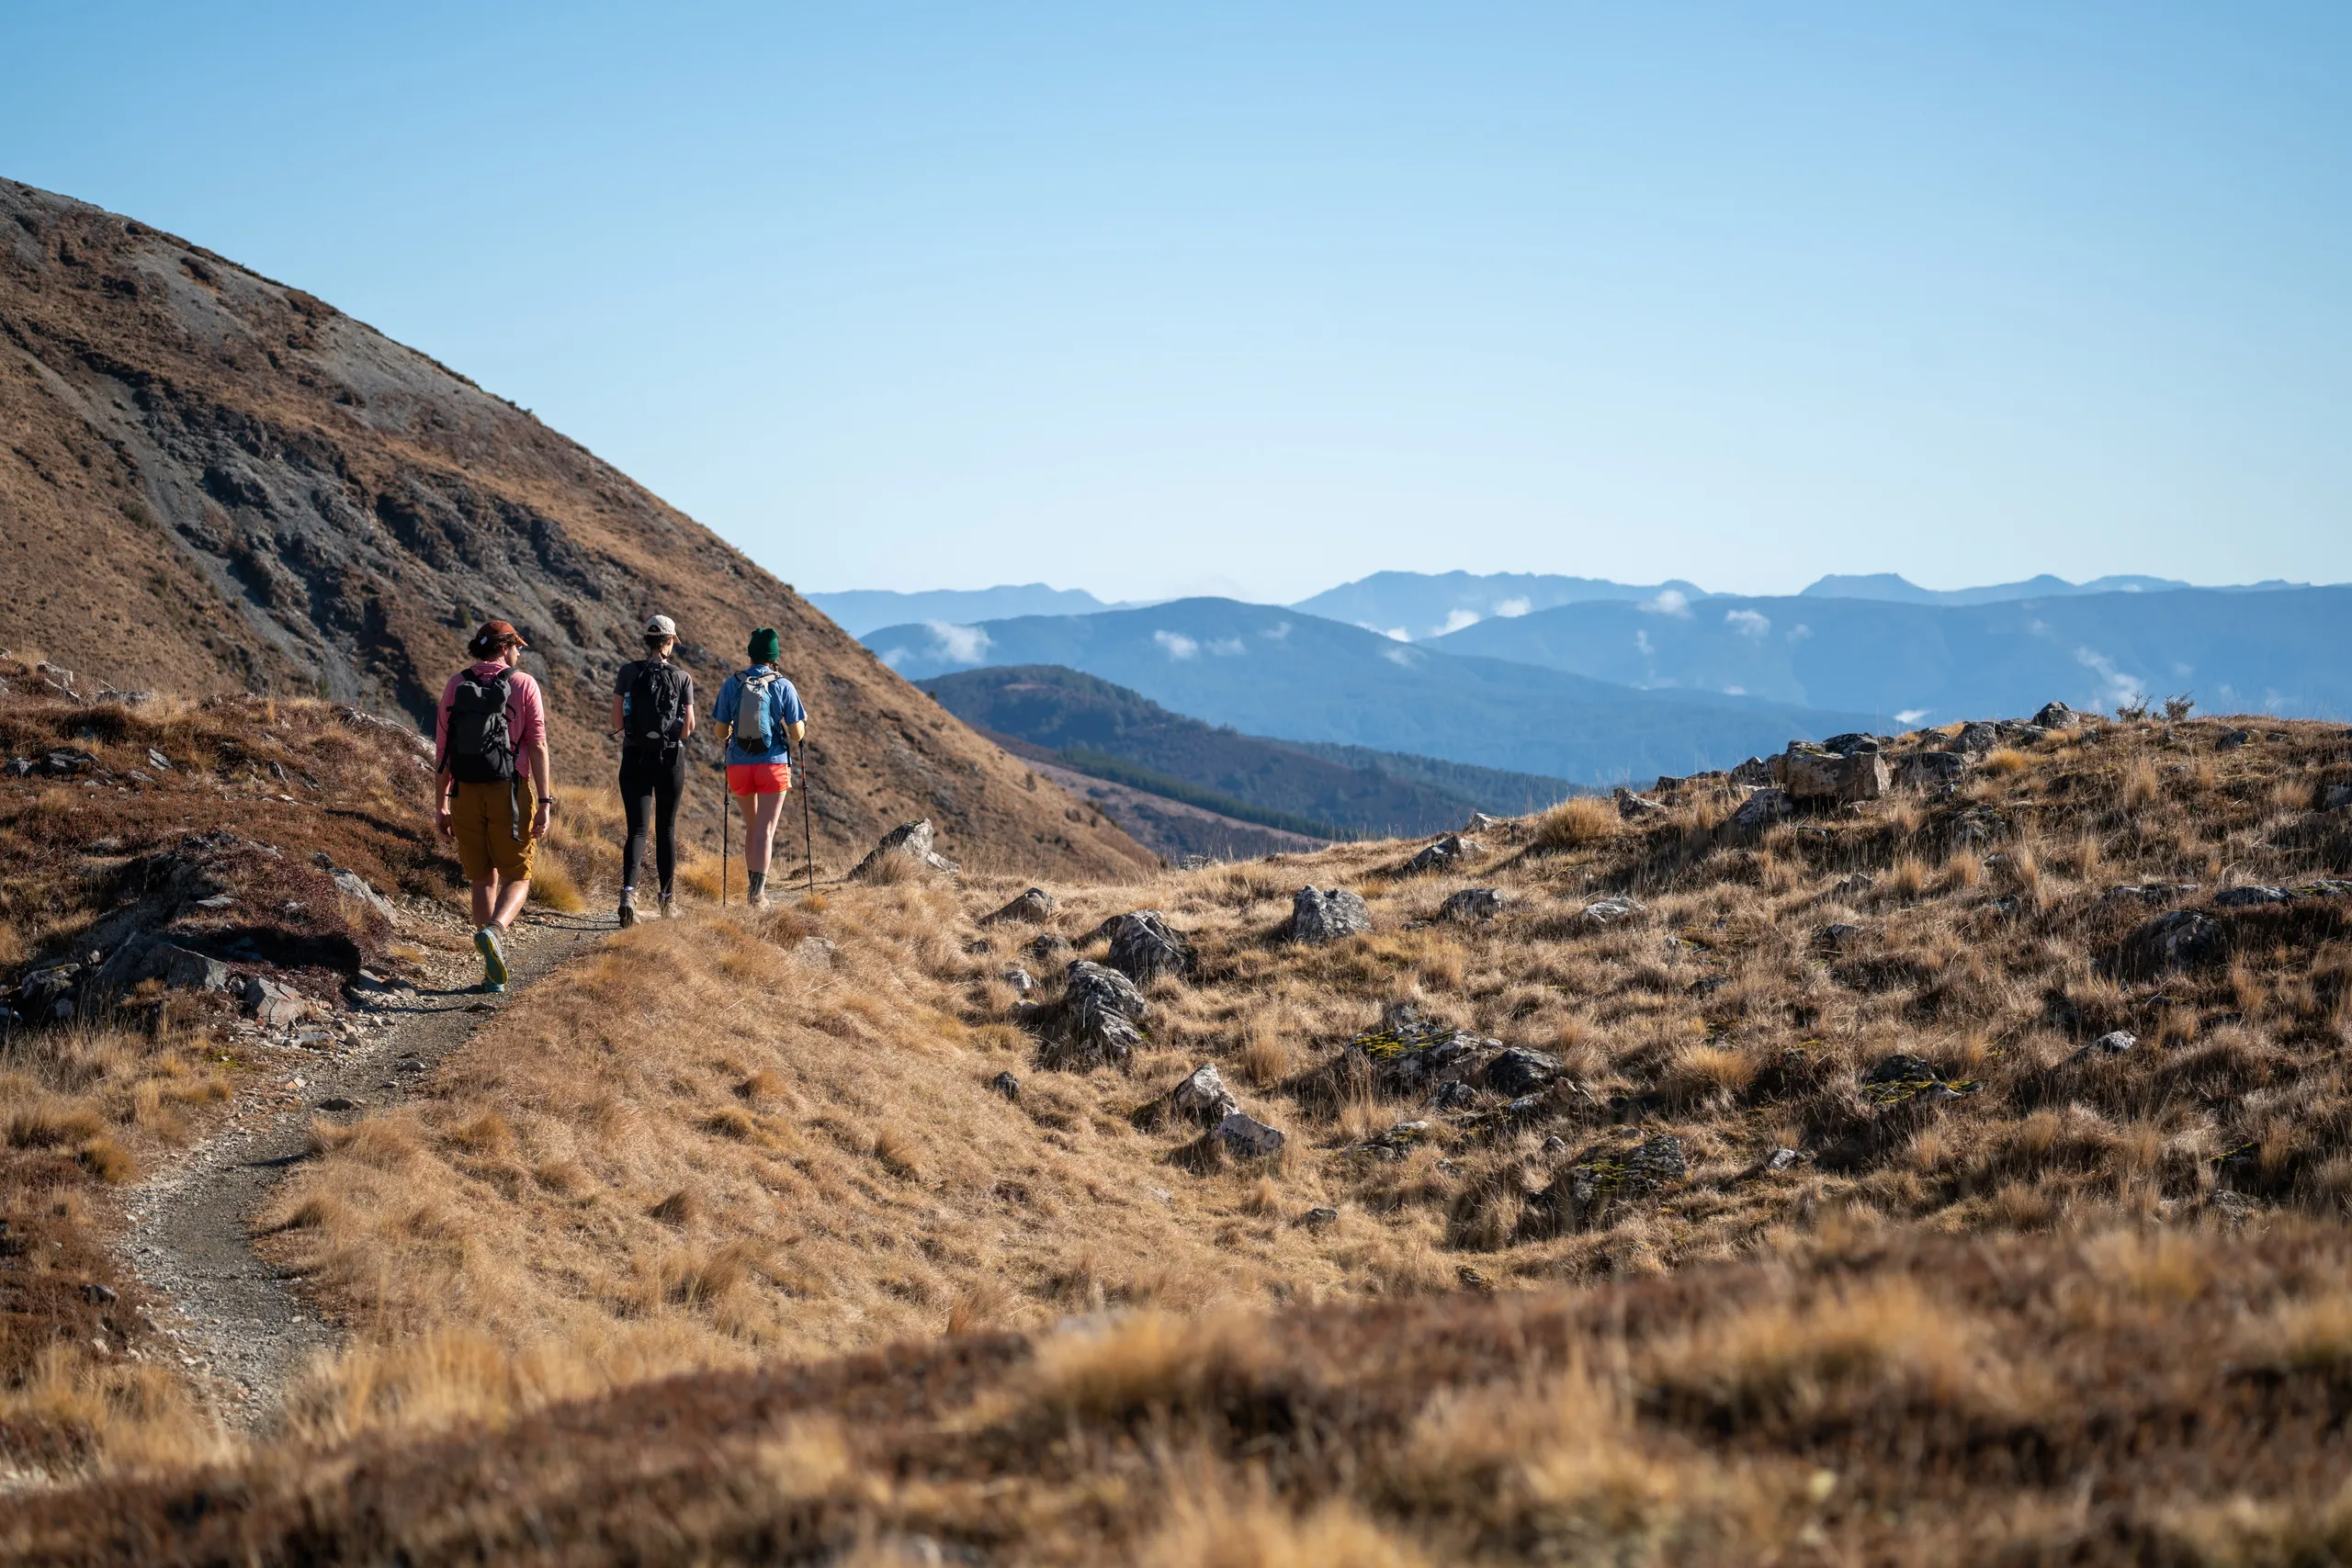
x=726, y=827
x=807, y=833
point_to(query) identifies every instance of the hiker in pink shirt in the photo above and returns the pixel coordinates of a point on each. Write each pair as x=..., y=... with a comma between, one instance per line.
x=490, y=741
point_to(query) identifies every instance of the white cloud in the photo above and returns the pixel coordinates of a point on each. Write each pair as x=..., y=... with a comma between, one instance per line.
x=1407, y=657
x=1395, y=634
x=1457, y=619
x=1749, y=623
x=1669, y=601
x=1177, y=645
x=1799, y=632
x=1276, y=632
x=1911, y=715
x=2120, y=688
x=957, y=645
x=1735, y=691
x=1228, y=647
x=1511, y=609
x=896, y=656
x=1642, y=643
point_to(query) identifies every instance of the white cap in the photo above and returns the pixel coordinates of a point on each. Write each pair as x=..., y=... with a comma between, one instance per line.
x=661, y=626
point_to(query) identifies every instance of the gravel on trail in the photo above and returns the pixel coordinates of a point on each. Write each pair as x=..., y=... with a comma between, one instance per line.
x=235, y=1322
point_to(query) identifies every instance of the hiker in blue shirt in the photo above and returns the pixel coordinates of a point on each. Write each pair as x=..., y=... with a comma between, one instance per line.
x=759, y=714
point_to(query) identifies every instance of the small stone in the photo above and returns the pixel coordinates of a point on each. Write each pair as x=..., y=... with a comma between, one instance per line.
x=1554, y=1146
x=2250, y=898
x=1317, y=916
x=2115, y=1043
x=1781, y=1159
x=1612, y=911
x=1443, y=855
x=351, y=885
x=1519, y=1071
x=217, y=901
x=1006, y=1085
x=2231, y=739
x=1453, y=1095
x=2181, y=939
x=1018, y=978
x=2336, y=797
x=98, y=1294
x=1203, y=1097
x=1034, y=908
x=336, y=1104
x=910, y=841
x=1840, y=936
x=1050, y=948
x=1633, y=807
x=1315, y=1218
x=409, y=1064
x=1758, y=811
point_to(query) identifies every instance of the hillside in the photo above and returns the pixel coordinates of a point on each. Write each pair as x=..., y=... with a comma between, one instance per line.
x=1097, y=726
x=215, y=483
x=2286, y=651
x=1889, y=585
x=1417, y=605
x=1956, y=1177
x=1276, y=673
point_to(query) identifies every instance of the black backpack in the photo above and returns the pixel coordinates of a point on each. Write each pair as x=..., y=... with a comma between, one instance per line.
x=480, y=750
x=656, y=716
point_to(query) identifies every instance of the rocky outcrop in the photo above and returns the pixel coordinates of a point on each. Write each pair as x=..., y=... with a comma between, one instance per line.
x=1034, y=908
x=906, y=847
x=1317, y=916
x=1472, y=905
x=1446, y=854
x=1093, y=1024
x=1143, y=946
x=1822, y=775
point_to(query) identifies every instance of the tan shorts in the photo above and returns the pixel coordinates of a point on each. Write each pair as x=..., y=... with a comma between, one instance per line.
x=484, y=817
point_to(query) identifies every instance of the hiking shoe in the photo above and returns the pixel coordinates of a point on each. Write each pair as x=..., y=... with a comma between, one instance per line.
x=493, y=956
x=760, y=900
x=491, y=988
x=669, y=907
x=629, y=913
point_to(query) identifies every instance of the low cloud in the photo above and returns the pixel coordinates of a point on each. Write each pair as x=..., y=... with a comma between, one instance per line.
x=1228, y=647
x=895, y=657
x=1177, y=645
x=1642, y=645
x=1407, y=657
x=1911, y=715
x=1799, y=632
x=1511, y=609
x=2120, y=688
x=1276, y=632
x=957, y=645
x=1749, y=623
x=1735, y=691
x=1457, y=619
x=1669, y=601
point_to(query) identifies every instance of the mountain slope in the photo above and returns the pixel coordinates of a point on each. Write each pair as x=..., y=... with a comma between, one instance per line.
x=1890, y=586
x=1276, y=673
x=214, y=482
x=1416, y=605
x=2283, y=651
x=1090, y=723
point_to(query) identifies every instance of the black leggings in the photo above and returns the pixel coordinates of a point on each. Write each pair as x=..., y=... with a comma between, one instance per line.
x=648, y=780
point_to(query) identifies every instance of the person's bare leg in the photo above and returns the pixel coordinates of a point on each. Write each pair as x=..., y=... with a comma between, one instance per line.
x=761, y=812
x=485, y=898
x=510, y=899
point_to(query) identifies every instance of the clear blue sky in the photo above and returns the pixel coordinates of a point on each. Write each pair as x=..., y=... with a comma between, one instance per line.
x=1261, y=297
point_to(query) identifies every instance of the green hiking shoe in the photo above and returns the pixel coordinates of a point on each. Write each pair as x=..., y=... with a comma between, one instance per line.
x=493, y=956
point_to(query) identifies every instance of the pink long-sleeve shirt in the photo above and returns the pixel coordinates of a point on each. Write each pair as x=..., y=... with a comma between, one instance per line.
x=526, y=722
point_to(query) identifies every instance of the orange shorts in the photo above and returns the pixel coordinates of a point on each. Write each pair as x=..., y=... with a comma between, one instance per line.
x=758, y=778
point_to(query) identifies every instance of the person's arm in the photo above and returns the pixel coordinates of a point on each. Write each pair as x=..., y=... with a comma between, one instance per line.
x=442, y=784
x=546, y=812
x=800, y=728
x=718, y=706
x=620, y=713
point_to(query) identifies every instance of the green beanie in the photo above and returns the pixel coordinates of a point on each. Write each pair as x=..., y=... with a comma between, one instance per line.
x=766, y=649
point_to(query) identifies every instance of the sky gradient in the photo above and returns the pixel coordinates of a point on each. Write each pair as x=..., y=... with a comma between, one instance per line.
x=1256, y=298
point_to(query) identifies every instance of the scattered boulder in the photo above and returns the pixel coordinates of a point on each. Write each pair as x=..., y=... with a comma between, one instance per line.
x=1929, y=770
x=2113, y=1044
x=1902, y=1079
x=1315, y=1218
x=1093, y=1025
x=1143, y=946
x=2250, y=898
x=1034, y=908
x=1637, y=809
x=1757, y=773
x=1473, y=903
x=1482, y=823
x=2336, y=797
x=1778, y=1161
x=1601, y=1177
x=2184, y=939
x=158, y=762
x=1202, y=1098
x=66, y=763
x=1976, y=738
x=909, y=842
x=1839, y=935
x=1852, y=744
x=276, y=1004
x=1317, y=916
x=1453, y=1095
x=1809, y=773
x=2231, y=739
x=354, y=885
x=1006, y=1085
x=1050, y=947
x=151, y=957
x=1519, y=1071
x=1443, y=855
x=1018, y=978
x=1246, y=1137
x=2056, y=715
x=1612, y=912
x=1758, y=811
x=1411, y=1053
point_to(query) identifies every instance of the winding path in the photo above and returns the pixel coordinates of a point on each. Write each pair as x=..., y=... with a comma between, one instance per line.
x=234, y=1320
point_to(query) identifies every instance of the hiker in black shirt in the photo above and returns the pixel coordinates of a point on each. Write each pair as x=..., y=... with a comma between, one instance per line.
x=653, y=708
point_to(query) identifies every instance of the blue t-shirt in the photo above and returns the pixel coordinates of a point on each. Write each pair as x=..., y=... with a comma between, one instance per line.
x=783, y=709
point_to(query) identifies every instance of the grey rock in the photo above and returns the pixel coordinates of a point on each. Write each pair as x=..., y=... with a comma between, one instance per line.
x=1759, y=811
x=1443, y=855
x=1839, y=935
x=1637, y=808
x=274, y=1003
x=1854, y=885
x=1050, y=947
x=1246, y=1137
x=354, y=885
x=335, y=1104
x=2181, y=939
x=2231, y=739
x=98, y=1294
x=1482, y=823
x=66, y=763
x=1519, y=1070
x=2056, y=715
x=1143, y=946
x=1810, y=774
x=1315, y=1218
x=1755, y=772
x=1203, y=1097
x=2151, y=892
x=1976, y=738
x=1607, y=1176
x=1095, y=1023
x=217, y=901
x=2115, y=1043
x=1851, y=745
x=2250, y=898
x=158, y=762
x=1612, y=911
x=1006, y=1085
x=1929, y=770
x=1473, y=903
x=1453, y=1095
x=816, y=951
x=1034, y=908
x=2336, y=797
x=1554, y=1146
x=151, y=957
x=1779, y=1160
x=1317, y=916
x=1018, y=978
x=910, y=841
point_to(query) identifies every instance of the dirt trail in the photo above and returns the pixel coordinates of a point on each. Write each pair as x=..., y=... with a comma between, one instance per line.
x=236, y=1321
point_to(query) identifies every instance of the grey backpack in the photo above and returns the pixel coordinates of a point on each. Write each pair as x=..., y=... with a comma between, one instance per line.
x=751, y=732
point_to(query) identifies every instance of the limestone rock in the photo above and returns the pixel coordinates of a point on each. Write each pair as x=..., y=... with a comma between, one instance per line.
x=1755, y=772
x=1634, y=808
x=1034, y=908
x=1976, y=738
x=354, y=885
x=1809, y=774
x=2056, y=715
x=1473, y=903
x=153, y=958
x=1203, y=1097
x=1018, y=978
x=1143, y=946
x=1443, y=855
x=911, y=841
x=1929, y=770
x=1521, y=1071
x=2181, y=939
x=1612, y=911
x=1759, y=812
x=276, y=1004
x=1093, y=1025
x=1317, y=916
x=2250, y=898
x=1246, y=1137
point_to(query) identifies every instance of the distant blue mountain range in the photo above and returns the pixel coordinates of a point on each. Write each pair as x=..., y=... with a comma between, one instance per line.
x=859, y=610
x=1272, y=671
